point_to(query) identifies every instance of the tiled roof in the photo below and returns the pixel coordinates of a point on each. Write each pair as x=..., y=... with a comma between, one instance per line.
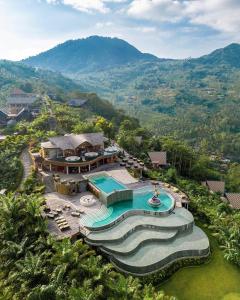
x=21, y=99
x=77, y=102
x=234, y=199
x=215, y=186
x=72, y=141
x=18, y=96
x=158, y=157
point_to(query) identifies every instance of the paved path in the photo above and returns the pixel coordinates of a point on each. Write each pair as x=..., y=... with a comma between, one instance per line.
x=27, y=164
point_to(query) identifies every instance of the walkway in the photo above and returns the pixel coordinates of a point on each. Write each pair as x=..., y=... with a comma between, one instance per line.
x=27, y=164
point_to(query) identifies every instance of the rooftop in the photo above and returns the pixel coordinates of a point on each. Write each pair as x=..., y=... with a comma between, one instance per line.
x=158, y=157
x=72, y=141
x=77, y=102
x=215, y=186
x=234, y=199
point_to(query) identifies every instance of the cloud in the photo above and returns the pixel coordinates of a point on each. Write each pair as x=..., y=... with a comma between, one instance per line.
x=103, y=24
x=146, y=29
x=156, y=10
x=88, y=6
x=221, y=15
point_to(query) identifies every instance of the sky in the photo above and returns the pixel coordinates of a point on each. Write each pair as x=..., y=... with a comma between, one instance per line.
x=166, y=28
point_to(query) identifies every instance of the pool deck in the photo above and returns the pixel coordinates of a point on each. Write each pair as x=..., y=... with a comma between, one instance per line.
x=55, y=200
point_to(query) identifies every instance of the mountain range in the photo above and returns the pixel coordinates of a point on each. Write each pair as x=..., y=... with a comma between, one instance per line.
x=195, y=99
x=90, y=54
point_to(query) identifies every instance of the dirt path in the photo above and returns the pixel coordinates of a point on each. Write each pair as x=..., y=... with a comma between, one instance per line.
x=27, y=164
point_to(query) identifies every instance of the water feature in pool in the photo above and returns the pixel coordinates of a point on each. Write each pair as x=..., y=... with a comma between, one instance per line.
x=107, y=184
x=139, y=202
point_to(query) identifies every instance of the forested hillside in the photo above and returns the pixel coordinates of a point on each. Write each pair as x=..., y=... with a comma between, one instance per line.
x=194, y=99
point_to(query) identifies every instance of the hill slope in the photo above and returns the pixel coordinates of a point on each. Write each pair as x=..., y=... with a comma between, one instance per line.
x=197, y=99
x=225, y=56
x=93, y=53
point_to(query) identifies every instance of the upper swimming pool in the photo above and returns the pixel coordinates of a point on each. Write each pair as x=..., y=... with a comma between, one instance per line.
x=139, y=202
x=107, y=184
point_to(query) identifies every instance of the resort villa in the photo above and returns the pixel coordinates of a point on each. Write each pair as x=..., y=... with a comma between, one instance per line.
x=19, y=106
x=141, y=226
x=158, y=159
x=72, y=154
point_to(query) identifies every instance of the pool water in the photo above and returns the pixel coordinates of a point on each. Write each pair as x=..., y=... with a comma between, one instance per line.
x=140, y=202
x=107, y=184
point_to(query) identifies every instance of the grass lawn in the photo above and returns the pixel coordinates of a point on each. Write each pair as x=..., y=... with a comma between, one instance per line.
x=216, y=280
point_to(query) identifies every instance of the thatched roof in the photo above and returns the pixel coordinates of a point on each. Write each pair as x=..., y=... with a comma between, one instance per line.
x=159, y=157
x=215, y=186
x=72, y=141
x=234, y=199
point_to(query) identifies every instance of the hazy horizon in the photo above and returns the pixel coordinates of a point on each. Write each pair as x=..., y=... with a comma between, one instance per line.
x=165, y=28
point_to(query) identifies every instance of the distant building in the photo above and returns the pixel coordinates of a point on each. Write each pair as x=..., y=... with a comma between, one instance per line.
x=19, y=107
x=77, y=102
x=233, y=200
x=3, y=117
x=18, y=100
x=158, y=158
x=215, y=186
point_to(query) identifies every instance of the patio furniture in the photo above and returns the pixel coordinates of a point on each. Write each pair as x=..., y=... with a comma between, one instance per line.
x=59, y=218
x=65, y=227
x=91, y=154
x=50, y=216
x=54, y=212
x=72, y=158
x=75, y=214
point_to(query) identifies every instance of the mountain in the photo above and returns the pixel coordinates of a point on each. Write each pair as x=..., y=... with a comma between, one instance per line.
x=229, y=55
x=92, y=53
x=195, y=99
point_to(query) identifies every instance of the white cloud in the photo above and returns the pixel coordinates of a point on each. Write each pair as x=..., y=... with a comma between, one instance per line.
x=157, y=10
x=221, y=15
x=146, y=29
x=103, y=24
x=88, y=6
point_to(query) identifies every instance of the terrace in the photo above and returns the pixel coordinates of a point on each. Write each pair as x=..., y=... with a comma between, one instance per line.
x=72, y=154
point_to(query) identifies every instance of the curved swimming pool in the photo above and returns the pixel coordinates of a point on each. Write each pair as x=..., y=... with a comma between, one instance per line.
x=139, y=202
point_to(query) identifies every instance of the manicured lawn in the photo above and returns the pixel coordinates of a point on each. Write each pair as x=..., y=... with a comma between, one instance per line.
x=217, y=280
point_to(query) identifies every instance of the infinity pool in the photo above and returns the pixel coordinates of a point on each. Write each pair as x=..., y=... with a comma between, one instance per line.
x=139, y=202
x=107, y=184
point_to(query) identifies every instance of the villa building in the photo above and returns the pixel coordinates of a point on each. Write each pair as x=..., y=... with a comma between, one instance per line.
x=233, y=200
x=19, y=100
x=74, y=154
x=19, y=107
x=77, y=102
x=158, y=158
x=215, y=186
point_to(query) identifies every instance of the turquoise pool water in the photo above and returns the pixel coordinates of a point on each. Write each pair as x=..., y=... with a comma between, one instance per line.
x=107, y=184
x=140, y=201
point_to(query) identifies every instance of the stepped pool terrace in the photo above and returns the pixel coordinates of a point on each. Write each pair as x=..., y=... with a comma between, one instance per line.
x=138, y=204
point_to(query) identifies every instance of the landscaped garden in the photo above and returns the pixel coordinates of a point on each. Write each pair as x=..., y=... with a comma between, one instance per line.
x=216, y=280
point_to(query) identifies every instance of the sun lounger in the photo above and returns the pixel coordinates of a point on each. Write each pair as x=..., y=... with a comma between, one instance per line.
x=62, y=224
x=54, y=212
x=50, y=216
x=60, y=220
x=75, y=214
x=65, y=227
